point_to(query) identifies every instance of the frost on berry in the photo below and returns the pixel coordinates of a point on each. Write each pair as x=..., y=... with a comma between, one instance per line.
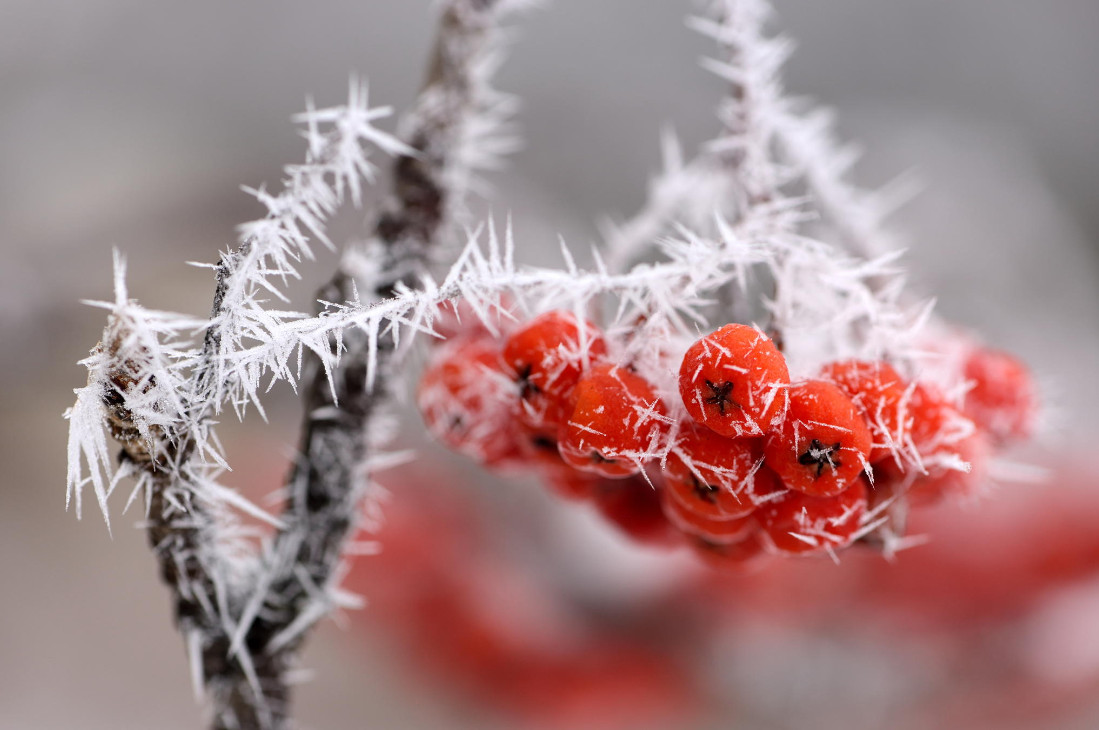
x=633, y=506
x=934, y=429
x=1001, y=398
x=877, y=390
x=717, y=530
x=546, y=357
x=798, y=524
x=711, y=475
x=733, y=381
x=958, y=471
x=822, y=446
x=466, y=401
x=617, y=423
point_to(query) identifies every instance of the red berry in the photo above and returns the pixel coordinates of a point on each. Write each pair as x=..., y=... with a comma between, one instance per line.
x=716, y=530
x=733, y=381
x=934, y=428
x=737, y=556
x=617, y=420
x=539, y=445
x=712, y=475
x=1002, y=400
x=546, y=358
x=822, y=446
x=960, y=472
x=567, y=482
x=798, y=524
x=877, y=390
x=466, y=402
x=633, y=506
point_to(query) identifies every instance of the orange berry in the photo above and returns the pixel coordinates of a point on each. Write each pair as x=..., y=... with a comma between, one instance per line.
x=712, y=529
x=798, y=524
x=465, y=400
x=712, y=475
x=877, y=390
x=733, y=381
x=822, y=446
x=1002, y=400
x=617, y=419
x=737, y=556
x=633, y=506
x=546, y=357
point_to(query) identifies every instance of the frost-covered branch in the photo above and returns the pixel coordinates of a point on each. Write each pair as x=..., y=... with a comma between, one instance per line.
x=769, y=143
x=448, y=134
x=154, y=391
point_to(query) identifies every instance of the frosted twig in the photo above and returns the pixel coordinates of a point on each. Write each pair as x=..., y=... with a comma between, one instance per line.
x=344, y=400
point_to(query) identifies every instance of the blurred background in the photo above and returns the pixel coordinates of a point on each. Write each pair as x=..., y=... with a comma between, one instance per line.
x=132, y=124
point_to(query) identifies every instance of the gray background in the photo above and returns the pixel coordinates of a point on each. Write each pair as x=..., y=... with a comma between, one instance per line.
x=131, y=123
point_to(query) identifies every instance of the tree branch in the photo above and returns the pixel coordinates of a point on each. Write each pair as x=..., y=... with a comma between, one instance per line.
x=340, y=405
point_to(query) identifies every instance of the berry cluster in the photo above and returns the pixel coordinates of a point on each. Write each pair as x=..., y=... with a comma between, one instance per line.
x=745, y=462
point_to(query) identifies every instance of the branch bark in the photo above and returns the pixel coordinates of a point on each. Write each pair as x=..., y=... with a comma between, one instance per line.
x=325, y=484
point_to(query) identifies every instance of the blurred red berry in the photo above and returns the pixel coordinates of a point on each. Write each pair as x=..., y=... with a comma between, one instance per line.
x=546, y=357
x=568, y=482
x=935, y=428
x=1002, y=399
x=822, y=446
x=466, y=402
x=616, y=419
x=634, y=507
x=877, y=390
x=798, y=524
x=960, y=472
x=720, y=530
x=733, y=381
x=737, y=556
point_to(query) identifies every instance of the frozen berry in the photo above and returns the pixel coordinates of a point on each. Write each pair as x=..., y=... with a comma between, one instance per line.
x=737, y=556
x=798, y=524
x=466, y=402
x=716, y=530
x=877, y=390
x=935, y=428
x=633, y=506
x=1002, y=398
x=546, y=357
x=822, y=446
x=733, y=381
x=712, y=475
x=960, y=472
x=617, y=420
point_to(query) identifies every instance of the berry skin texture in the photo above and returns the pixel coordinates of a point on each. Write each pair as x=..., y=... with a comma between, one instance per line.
x=733, y=381
x=822, y=446
x=713, y=476
x=616, y=419
x=634, y=507
x=878, y=391
x=960, y=472
x=739, y=557
x=720, y=531
x=465, y=400
x=935, y=428
x=1002, y=400
x=798, y=524
x=546, y=357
